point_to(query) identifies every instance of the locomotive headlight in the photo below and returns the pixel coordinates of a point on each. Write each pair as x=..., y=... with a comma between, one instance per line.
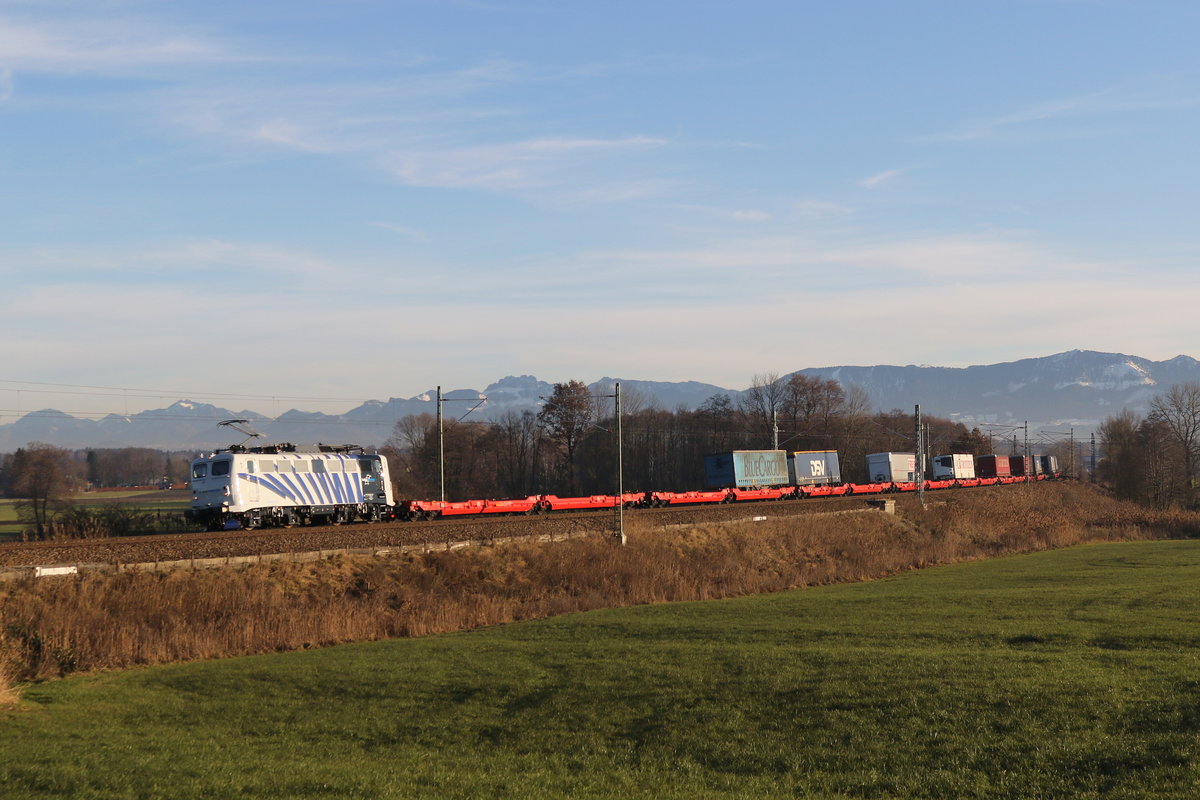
x=225, y=491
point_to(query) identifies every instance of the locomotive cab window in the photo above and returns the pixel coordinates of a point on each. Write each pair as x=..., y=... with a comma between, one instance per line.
x=199, y=471
x=220, y=468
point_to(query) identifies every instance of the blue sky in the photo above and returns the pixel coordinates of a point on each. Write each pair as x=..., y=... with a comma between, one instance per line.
x=365, y=199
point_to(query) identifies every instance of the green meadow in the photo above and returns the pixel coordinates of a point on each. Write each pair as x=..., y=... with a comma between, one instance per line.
x=1065, y=674
x=9, y=527
x=173, y=501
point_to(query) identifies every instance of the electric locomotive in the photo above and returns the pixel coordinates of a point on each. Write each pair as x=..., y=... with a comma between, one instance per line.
x=286, y=484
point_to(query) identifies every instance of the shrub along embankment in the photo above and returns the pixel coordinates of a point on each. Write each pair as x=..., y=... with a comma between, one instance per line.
x=51, y=627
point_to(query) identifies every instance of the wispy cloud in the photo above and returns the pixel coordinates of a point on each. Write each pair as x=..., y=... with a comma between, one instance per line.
x=507, y=167
x=411, y=233
x=819, y=209
x=95, y=44
x=458, y=127
x=432, y=130
x=880, y=178
x=600, y=191
x=752, y=215
x=1003, y=261
x=1150, y=95
x=961, y=256
x=225, y=263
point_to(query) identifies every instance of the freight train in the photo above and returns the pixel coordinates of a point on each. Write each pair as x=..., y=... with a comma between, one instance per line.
x=286, y=484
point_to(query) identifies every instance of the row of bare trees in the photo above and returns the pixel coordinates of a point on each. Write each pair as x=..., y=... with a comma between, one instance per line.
x=569, y=446
x=1155, y=458
x=42, y=478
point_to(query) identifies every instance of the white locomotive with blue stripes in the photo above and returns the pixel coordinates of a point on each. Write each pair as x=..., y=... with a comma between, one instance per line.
x=285, y=484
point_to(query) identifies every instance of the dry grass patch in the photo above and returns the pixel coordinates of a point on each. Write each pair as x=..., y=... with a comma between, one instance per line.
x=9, y=664
x=100, y=621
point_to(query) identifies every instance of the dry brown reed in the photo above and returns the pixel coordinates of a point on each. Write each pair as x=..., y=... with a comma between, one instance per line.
x=9, y=665
x=101, y=621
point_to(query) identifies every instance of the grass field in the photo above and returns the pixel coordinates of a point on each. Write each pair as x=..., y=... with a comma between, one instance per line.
x=1072, y=673
x=150, y=500
x=169, y=501
x=9, y=526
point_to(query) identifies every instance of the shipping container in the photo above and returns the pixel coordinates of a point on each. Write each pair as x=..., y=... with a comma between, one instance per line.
x=892, y=467
x=742, y=469
x=992, y=467
x=1049, y=465
x=1033, y=465
x=814, y=468
x=956, y=466
x=1017, y=465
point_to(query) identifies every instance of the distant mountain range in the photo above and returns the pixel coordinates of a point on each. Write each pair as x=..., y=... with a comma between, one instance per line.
x=1077, y=388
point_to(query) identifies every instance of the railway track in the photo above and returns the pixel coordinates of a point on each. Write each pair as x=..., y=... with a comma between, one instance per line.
x=222, y=544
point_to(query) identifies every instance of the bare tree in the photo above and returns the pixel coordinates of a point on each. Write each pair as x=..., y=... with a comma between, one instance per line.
x=812, y=401
x=410, y=432
x=1158, y=460
x=412, y=455
x=849, y=433
x=633, y=401
x=812, y=408
x=43, y=477
x=565, y=419
x=515, y=452
x=1123, y=467
x=126, y=466
x=763, y=401
x=1179, y=411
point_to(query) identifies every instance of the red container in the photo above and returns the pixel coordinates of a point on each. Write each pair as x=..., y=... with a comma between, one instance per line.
x=992, y=466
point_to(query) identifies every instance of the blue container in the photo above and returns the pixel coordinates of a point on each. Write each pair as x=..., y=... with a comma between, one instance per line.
x=814, y=468
x=746, y=469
